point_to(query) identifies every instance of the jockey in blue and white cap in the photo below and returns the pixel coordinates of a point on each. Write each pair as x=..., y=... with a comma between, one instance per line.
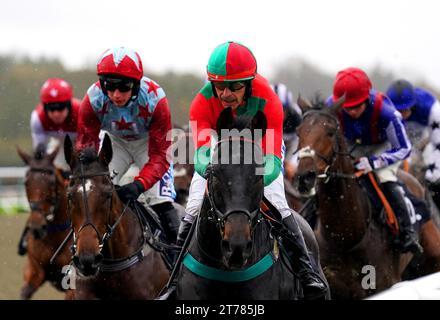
x=420, y=110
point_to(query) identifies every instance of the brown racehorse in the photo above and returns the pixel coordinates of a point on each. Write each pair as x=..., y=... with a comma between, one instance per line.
x=111, y=256
x=48, y=223
x=356, y=250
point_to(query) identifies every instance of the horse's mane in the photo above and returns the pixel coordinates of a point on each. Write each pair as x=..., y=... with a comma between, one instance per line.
x=242, y=122
x=318, y=102
x=40, y=151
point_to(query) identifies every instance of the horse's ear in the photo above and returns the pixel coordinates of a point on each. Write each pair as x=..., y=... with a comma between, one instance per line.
x=338, y=104
x=259, y=121
x=106, y=153
x=53, y=154
x=23, y=155
x=304, y=104
x=68, y=150
x=225, y=120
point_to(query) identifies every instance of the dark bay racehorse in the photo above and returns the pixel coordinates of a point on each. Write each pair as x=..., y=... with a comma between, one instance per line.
x=110, y=252
x=356, y=250
x=48, y=223
x=232, y=253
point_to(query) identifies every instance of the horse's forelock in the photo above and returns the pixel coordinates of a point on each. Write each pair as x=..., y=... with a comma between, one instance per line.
x=88, y=155
x=241, y=123
x=319, y=103
x=40, y=151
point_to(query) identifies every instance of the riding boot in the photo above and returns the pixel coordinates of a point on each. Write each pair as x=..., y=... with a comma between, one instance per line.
x=168, y=219
x=407, y=240
x=313, y=285
x=184, y=228
x=22, y=243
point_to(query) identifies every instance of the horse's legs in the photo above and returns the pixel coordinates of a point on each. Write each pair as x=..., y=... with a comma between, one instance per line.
x=34, y=276
x=430, y=240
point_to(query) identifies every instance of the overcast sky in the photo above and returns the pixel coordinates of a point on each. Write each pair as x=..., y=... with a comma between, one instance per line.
x=401, y=35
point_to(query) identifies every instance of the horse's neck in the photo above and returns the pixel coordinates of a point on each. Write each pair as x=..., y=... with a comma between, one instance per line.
x=343, y=207
x=127, y=236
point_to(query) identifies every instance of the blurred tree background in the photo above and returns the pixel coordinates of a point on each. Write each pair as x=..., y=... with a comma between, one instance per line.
x=21, y=79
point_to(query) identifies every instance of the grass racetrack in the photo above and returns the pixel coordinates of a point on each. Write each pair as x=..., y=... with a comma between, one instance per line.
x=11, y=264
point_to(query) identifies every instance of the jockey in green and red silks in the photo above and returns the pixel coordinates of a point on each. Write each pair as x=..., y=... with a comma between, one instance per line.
x=206, y=107
x=235, y=83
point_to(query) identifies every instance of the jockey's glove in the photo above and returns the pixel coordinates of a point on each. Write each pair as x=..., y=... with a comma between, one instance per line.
x=130, y=191
x=364, y=164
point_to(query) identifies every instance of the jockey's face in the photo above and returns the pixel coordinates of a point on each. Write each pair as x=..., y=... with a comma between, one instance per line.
x=58, y=116
x=119, y=98
x=356, y=111
x=405, y=113
x=231, y=95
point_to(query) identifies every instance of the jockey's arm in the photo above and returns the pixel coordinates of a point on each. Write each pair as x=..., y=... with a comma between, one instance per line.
x=89, y=126
x=400, y=144
x=39, y=135
x=158, y=146
x=201, y=133
x=272, y=142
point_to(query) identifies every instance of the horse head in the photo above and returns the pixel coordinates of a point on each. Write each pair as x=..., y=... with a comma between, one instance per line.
x=235, y=183
x=41, y=188
x=91, y=196
x=320, y=141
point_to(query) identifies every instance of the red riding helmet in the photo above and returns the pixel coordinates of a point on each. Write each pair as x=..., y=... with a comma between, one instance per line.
x=231, y=61
x=120, y=61
x=56, y=90
x=354, y=83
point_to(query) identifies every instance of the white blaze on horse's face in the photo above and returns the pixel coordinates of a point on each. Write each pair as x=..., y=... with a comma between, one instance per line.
x=88, y=186
x=306, y=152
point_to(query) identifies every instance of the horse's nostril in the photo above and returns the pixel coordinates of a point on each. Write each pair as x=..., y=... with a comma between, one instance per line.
x=310, y=176
x=75, y=260
x=248, y=249
x=249, y=246
x=98, y=259
x=226, y=246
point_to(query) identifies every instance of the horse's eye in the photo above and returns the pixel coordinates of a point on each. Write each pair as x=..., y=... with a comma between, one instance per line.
x=331, y=134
